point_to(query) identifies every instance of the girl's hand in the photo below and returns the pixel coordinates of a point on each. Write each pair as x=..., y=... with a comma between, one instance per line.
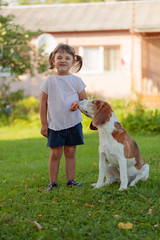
x=44, y=130
x=74, y=106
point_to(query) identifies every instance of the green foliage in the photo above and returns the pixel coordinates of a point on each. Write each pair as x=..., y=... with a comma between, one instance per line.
x=4, y=119
x=16, y=48
x=143, y=121
x=63, y=213
x=7, y=101
x=41, y=60
x=7, y=97
x=132, y=115
x=136, y=118
x=23, y=109
x=17, y=57
x=18, y=54
x=16, y=96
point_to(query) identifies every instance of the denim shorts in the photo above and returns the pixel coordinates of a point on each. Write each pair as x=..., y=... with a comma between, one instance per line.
x=71, y=137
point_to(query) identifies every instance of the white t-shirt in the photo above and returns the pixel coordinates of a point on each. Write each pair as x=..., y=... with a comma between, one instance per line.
x=62, y=91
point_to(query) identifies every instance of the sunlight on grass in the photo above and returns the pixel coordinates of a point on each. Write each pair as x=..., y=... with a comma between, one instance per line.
x=19, y=132
x=22, y=129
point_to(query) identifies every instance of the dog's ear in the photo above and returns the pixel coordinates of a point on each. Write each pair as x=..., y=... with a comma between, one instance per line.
x=92, y=127
x=103, y=115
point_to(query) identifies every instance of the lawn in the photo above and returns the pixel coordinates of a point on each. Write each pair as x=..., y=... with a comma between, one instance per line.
x=72, y=213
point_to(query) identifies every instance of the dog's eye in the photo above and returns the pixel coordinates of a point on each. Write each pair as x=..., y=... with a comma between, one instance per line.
x=86, y=112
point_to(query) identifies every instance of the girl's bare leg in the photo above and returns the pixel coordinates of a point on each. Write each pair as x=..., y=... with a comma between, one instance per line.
x=54, y=161
x=70, y=158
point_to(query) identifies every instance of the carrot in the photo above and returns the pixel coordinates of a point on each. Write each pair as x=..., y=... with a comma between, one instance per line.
x=74, y=105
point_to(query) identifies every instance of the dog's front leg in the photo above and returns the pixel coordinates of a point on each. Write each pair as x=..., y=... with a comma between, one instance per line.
x=102, y=170
x=123, y=173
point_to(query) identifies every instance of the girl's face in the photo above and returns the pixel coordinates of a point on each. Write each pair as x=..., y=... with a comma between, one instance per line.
x=63, y=61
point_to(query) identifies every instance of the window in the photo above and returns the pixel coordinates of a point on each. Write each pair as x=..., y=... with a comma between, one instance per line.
x=91, y=59
x=100, y=59
x=111, y=58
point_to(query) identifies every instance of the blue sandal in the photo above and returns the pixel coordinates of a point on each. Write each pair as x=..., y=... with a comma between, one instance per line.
x=52, y=186
x=72, y=183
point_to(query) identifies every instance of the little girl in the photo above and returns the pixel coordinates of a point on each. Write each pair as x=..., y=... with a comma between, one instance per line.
x=60, y=94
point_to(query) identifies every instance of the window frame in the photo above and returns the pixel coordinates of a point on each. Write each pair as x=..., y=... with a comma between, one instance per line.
x=100, y=60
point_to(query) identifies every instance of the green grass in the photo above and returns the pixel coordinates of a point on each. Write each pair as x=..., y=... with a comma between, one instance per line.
x=63, y=213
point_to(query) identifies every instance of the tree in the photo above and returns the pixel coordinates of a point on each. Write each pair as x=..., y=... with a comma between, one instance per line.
x=17, y=56
x=15, y=47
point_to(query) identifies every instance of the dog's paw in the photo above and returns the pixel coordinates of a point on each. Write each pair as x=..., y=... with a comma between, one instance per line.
x=122, y=188
x=99, y=185
x=132, y=184
x=108, y=182
x=93, y=184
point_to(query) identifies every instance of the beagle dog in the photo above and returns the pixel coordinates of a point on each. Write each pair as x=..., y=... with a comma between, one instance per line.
x=115, y=147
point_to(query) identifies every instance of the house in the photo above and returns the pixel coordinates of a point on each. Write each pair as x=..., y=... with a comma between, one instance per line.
x=118, y=40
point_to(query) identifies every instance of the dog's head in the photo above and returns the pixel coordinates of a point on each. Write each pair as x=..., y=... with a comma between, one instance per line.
x=99, y=111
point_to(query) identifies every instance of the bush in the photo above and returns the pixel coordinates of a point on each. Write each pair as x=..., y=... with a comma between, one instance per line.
x=9, y=99
x=132, y=115
x=4, y=120
x=16, y=96
x=135, y=118
x=143, y=120
x=25, y=107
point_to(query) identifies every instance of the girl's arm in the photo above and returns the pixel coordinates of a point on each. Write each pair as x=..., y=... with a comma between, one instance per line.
x=82, y=95
x=43, y=114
